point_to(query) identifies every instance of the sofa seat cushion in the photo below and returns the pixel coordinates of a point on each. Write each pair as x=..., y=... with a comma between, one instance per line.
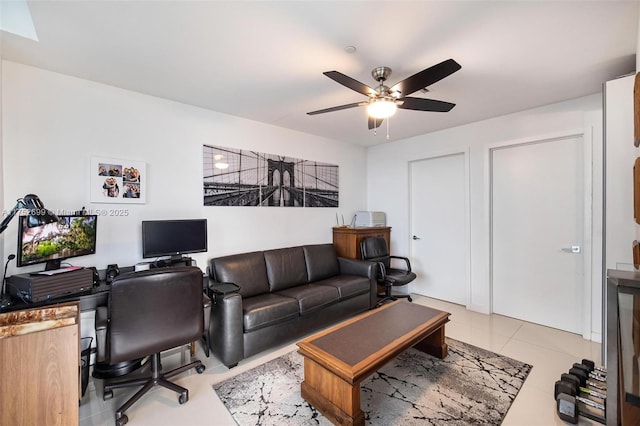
x=311, y=297
x=348, y=285
x=267, y=309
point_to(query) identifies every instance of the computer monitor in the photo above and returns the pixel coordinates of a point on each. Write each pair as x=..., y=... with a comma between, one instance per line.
x=71, y=236
x=173, y=237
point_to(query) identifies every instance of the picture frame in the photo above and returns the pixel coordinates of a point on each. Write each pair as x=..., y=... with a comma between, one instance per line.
x=119, y=181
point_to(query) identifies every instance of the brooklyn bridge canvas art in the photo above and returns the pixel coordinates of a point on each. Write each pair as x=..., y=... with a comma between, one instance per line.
x=235, y=177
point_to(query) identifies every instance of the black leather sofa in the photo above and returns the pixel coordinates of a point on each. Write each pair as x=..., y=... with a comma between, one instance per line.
x=283, y=294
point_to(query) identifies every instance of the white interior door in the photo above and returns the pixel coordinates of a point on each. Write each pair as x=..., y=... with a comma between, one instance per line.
x=438, y=210
x=537, y=226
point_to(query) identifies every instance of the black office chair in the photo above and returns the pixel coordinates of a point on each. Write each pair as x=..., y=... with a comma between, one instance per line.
x=150, y=312
x=374, y=249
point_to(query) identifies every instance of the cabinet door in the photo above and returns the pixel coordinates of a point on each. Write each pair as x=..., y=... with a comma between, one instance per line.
x=40, y=377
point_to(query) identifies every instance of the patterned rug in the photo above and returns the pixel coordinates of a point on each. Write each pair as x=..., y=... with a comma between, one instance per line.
x=471, y=386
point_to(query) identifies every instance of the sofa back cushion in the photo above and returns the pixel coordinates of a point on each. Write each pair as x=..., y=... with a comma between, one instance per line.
x=285, y=268
x=321, y=261
x=247, y=270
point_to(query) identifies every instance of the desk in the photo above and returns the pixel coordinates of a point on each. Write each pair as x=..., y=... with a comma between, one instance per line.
x=89, y=301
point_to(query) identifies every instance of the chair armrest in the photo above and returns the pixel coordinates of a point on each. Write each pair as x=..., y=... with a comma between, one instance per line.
x=382, y=271
x=406, y=260
x=101, y=323
x=226, y=331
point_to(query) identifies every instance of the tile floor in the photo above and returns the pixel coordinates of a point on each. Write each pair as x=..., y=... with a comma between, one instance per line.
x=550, y=351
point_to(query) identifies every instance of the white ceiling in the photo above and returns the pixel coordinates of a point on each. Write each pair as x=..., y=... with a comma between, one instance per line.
x=263, y=60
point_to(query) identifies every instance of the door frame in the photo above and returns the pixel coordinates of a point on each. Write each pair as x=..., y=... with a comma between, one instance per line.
x=587, y=140
x=466, y=214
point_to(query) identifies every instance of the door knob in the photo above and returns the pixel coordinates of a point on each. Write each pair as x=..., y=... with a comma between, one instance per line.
x=416, y=237
x=572, y=249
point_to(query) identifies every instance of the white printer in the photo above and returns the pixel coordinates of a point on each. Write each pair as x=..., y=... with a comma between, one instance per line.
x=370, y=219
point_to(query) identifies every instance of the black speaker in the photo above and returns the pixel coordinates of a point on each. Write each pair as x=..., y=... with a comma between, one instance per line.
x=112, y=272
x=96, y=277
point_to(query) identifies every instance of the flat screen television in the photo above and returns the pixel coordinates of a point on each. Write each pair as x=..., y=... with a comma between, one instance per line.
x=71, y=236
x=173, y=237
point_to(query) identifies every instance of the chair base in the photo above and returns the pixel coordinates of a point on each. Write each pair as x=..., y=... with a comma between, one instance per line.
x=388, y=296
x=157, y=379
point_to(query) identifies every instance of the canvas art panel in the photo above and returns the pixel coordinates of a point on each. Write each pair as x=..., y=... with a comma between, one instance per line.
x=117, y=181
x=236, y=177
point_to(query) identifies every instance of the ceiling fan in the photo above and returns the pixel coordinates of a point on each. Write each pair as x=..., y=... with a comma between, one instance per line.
x=384, y=100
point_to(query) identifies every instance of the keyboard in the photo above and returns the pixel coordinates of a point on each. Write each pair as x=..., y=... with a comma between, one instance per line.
x=59, y=271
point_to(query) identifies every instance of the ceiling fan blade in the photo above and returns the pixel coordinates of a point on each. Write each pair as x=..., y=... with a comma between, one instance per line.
x=420, y=104
x=337, y=108
x=349, y=82
x=426, y=77
x=374, y=123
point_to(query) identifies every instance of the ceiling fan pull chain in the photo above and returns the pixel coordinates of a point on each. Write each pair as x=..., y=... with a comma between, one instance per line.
x=388, y=120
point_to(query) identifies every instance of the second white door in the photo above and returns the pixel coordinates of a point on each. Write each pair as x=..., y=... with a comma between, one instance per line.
x=537, y=232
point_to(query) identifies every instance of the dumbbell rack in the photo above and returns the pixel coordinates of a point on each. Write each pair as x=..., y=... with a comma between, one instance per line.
x=582, y=392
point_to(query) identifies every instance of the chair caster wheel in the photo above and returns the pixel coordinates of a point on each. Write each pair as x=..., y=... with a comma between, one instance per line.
x=200, y=369
x=183, y=398
x=123, y=420
x=409, y=299
x=107, y=395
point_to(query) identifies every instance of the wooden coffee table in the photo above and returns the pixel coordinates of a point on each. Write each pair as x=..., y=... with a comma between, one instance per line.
x=337, y=360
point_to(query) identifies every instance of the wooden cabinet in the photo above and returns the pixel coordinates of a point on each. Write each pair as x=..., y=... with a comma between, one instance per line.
x=40, y=363
x=623, y=347
x=346, y=239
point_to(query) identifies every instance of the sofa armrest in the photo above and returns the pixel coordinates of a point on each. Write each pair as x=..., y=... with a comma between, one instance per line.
x=362, y=268
x=101, y=322
x=226, y=331
x=217, y=289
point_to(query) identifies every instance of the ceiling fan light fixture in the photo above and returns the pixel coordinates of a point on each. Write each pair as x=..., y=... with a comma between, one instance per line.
x=381, y=108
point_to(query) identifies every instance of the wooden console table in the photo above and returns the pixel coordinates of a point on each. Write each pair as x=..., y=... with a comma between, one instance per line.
x=347, y=239
x=337, y=360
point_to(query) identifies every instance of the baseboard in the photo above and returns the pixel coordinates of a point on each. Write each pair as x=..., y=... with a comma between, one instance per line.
x=478, y=308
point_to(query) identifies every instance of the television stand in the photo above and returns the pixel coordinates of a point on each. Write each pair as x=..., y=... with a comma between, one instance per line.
x=53, y=264
x=173, y=261
x=180, y=261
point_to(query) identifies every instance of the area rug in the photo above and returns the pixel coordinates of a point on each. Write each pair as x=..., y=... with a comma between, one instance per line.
x=471, y=386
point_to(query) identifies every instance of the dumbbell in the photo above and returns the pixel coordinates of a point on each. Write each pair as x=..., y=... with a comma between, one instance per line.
x=588, y=379
x=569, y=410
x=596, y=375
x=570, y=385
x=592, y=367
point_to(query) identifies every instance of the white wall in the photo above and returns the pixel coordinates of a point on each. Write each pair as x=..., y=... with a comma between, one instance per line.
x=53, y=124
x=621, y=228
x=387, y=179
